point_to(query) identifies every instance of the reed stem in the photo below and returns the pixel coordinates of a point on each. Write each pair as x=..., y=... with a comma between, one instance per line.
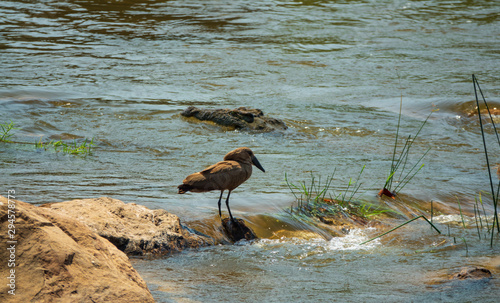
x=494, y=195
x=393, y=229
x=461, y=215
x=477, y=225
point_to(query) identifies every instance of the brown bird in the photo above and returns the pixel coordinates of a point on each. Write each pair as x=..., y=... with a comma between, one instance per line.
x=228, y=174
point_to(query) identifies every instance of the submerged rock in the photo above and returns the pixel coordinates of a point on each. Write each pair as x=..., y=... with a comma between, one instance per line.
x=57, y=259
x=237, y=230
x=495, y=112
x=132, y=228
x=473, y=272
x=466, y=274
x=239, y=118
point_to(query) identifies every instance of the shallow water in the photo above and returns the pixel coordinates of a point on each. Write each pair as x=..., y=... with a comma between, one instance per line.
x=334, y=71
x=415, y=266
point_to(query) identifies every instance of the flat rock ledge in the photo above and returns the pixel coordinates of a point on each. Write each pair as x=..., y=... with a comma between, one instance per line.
x=132, y=228
x=240, y=118
x=56, y=258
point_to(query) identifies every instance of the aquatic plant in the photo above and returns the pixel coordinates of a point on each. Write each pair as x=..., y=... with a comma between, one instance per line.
x=400, y=159
x=309, y=194
x=5, y=132
x=317, y=200
x=494, y=194
x=74, y=148
x=461, y=214
x=479, y=200
x=84, y=148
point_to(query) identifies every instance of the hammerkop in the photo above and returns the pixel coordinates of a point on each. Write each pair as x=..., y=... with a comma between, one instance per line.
x=228, y=174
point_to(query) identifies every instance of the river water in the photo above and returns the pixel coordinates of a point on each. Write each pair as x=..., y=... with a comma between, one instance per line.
x=335, y=71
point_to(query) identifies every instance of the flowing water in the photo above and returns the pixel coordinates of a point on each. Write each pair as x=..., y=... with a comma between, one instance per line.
x=335, y=71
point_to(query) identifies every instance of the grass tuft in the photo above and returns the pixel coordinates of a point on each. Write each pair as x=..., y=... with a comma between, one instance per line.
x=74, y=148
x=5, y=131
x=317, y=200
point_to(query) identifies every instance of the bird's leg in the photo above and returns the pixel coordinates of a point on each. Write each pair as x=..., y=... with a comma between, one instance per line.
x=220, y=198
x=227, y=204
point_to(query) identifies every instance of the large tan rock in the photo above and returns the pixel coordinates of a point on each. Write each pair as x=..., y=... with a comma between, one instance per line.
x=57, y=259
x=134, y=229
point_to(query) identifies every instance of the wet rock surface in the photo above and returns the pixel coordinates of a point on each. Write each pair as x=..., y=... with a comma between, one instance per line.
x=473, y=272
x=132, y=228
x=239, y=118
x=458, y=277
x=59, y=259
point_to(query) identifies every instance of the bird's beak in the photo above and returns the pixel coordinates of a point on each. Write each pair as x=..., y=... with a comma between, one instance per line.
x=257, y=164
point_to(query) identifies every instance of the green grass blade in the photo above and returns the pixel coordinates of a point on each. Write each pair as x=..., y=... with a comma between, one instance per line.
x=461, y=215
x=401, y=225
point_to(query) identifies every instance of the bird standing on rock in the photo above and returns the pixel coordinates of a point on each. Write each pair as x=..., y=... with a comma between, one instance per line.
x=225, y=175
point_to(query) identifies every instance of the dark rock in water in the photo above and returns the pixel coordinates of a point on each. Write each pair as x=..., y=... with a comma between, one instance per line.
x=240, y=118
x=466, y=274
x=473, y=273
x=237, y=230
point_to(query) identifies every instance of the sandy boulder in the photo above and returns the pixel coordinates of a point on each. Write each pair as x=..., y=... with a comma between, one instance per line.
x=134, y=229
x=55, y=258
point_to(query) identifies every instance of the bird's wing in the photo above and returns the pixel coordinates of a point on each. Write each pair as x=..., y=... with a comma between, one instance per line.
x=220, y=176
x=222, y=167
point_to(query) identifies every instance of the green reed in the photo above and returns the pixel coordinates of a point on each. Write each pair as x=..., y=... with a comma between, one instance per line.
x=400, y=159
x=355, y=188
x=461, y=214
x=480, y=200
x=476, y=216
